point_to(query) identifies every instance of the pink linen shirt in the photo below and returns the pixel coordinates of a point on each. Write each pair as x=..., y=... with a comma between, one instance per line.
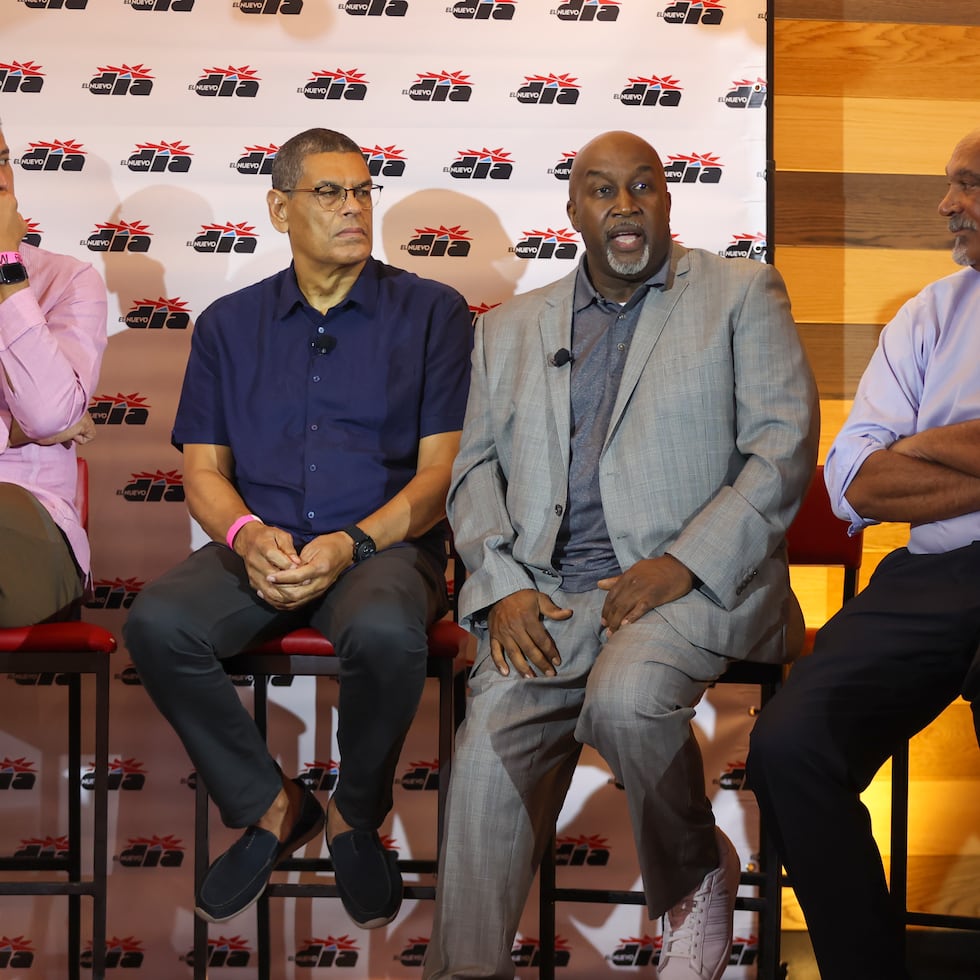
x=52, y=337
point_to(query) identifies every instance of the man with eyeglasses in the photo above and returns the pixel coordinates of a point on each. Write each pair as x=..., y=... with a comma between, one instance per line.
x=52, y=338
x=319, y=418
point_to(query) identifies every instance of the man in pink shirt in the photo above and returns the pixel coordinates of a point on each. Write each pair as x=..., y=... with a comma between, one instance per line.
x=52, y=337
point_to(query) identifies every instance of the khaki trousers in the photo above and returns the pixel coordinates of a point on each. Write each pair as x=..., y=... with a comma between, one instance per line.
x=39, y=580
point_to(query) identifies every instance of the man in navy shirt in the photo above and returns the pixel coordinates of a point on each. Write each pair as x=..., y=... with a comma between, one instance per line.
x=319, y=419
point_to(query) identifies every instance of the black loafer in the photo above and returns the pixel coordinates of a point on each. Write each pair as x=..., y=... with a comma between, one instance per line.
x=368, y=879
x=235, y=880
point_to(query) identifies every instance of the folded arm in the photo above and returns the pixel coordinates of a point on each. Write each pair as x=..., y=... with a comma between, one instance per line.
x=50, y=360
x=933, y=475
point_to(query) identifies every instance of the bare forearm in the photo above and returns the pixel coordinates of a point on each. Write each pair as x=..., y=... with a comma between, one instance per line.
x=894, y=486
x=413, y=511
x=955, y=446
x=213, y=502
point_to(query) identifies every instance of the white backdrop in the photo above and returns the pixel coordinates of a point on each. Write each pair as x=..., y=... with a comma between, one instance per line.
x=142, y=132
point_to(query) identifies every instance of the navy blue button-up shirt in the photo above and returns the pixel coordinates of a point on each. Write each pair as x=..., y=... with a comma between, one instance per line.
x=324, y=433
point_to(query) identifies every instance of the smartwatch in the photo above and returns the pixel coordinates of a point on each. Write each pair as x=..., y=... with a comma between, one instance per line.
x=12, y=269
x=364, y=545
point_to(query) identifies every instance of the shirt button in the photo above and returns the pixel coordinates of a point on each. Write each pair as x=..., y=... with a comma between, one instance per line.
x=620, y=346
x=313, y=467
x=314, y=427
x=321, y=329
x=310, y=514
x=316, y=377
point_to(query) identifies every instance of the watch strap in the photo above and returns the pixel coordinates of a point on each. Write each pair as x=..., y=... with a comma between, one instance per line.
x=8, y=258
x=364, y=545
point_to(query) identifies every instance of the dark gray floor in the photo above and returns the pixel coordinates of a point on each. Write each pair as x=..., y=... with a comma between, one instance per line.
x=933, y=954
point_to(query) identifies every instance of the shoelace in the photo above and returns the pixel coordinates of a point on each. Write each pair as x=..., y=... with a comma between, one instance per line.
x=682, y=941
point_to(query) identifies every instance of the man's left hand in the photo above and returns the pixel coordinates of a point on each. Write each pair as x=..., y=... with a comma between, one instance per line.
x=321, y=563
x=648, y=584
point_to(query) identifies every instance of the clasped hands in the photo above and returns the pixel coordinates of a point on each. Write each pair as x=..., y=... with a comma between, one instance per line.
x=518, y=636
x=281, y=576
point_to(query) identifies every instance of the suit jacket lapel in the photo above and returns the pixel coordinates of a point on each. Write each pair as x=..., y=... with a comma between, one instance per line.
x=555, y=329
x=653, y=317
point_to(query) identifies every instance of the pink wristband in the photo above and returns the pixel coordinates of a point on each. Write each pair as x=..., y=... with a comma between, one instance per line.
x=237, y=526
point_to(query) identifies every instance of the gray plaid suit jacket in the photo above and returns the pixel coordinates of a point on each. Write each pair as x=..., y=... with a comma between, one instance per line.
x=710, y=449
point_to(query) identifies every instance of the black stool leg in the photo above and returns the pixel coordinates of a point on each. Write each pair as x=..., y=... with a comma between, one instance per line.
x=260, y=712
x=899, y=862
x=546, y=912
x=201, y=862
x=100, y=846
x=75, y=823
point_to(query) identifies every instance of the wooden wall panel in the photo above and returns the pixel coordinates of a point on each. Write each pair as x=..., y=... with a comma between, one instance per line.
x=900, y=11
x=872, y=135
x=877, y=60
x=882, y=210
x=855, y=285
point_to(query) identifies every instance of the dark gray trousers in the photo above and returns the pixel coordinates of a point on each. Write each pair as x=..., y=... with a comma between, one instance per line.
x=203, y=611
x=883, y=668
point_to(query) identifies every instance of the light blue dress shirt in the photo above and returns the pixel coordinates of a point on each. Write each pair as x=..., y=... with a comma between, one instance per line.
x=924, y=373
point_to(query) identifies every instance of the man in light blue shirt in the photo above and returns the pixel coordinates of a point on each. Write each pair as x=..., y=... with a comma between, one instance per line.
x=901, y=651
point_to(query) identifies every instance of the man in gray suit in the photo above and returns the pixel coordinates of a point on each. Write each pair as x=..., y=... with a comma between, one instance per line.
x=638, y=438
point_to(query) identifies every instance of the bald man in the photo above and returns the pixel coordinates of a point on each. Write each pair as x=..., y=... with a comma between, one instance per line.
x=638, y=437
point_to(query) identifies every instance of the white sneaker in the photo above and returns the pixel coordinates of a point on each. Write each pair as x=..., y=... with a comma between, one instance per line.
x=697, y=932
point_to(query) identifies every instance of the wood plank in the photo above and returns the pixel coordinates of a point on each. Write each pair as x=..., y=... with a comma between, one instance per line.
x=857, y=285
x=838, y=354
x=899, y=11
x=864, y=210
x=896, y=136
x=860, y=60
x=945, y=751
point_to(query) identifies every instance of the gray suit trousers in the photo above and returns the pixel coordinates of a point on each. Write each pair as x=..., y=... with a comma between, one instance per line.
x=630, y=696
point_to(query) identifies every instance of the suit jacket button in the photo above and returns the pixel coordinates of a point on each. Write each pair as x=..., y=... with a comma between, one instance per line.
x=559, y=510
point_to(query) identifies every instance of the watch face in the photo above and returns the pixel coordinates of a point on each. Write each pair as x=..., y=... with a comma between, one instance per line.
x=12, y=272
x=364, y=550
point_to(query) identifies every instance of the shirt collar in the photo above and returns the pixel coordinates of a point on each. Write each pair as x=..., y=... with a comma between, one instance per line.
x=586, y=293
x=364, y=292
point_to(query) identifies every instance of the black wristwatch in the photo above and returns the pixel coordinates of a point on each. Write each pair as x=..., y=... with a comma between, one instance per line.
x=12, y=268
x=364, y=545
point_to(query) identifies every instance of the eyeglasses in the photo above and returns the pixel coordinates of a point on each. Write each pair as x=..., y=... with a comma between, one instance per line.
x=332, y=197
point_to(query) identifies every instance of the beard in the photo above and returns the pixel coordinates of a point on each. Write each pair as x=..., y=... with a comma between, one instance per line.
x=628, y=268
x=961, y=254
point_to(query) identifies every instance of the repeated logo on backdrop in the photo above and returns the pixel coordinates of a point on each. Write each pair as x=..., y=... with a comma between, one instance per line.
x=440, y=86
x=46, y=156
x=483, y=9
x=121, y=80
x=348, y=84
x=24, y=77
x=159, y=158
x=256, y=160
x=482, y=164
